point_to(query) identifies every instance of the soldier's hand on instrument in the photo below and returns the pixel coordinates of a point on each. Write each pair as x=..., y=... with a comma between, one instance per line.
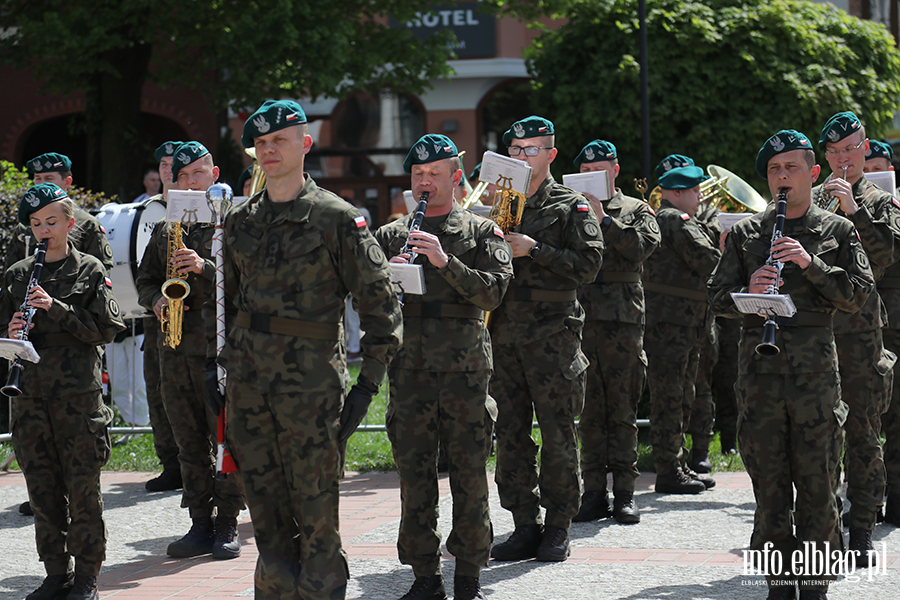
x=520, y=244
x=38, y=298
x=842, y=190
x=15, y=325
x=400, y=259
x=789, y=250
x=157, y=309
x=429, y=245
x=762, y=279
x=186, y=260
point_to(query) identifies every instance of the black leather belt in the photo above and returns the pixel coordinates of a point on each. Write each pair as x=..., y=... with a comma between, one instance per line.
x=678, y=292
x=617, y=277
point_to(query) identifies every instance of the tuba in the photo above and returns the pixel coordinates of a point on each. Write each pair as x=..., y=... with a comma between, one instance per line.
x=175, y=290
x=729, y=193
x=257, y=177
x=825, y=199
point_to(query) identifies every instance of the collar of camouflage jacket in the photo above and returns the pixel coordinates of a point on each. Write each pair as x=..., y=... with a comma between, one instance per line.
x=811, y=221
x=298, y=212
x=542, y=196
x=453, y=222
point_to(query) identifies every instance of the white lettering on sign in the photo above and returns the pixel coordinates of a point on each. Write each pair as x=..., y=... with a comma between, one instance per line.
x=444, y=18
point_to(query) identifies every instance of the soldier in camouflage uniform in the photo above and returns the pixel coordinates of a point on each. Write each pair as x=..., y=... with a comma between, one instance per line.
x=89, y=236
x=613, y=342
x=292, y=254
x=675, y=282
x=538, y=363
x=183, y=369
x=790, y=411
x=59, y=423
x=866, y=367
x=163, y=436
x=879, y=159
x=440, y=376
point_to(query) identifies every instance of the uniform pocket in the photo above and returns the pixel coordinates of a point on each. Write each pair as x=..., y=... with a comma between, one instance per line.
x=578, y=366
x=97, y=423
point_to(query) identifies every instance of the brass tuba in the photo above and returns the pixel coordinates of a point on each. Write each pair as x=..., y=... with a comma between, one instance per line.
x=729, y=193
x=175, y=290
x=257, y=177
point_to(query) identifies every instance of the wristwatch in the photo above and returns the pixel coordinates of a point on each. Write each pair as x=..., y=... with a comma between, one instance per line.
x=534, y=250
x=606, y=220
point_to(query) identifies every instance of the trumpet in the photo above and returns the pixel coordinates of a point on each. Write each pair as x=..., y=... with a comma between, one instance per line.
x=825, y=199
x=11, y=388
x=767, y=346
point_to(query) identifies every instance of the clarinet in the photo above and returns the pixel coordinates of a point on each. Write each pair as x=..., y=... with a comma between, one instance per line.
x=767, y=346
x=415, y=226
x=11, y=388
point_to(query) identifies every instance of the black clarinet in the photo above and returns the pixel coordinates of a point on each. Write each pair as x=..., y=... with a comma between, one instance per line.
x=415, y=226
x=767, y=346
x=11, y=388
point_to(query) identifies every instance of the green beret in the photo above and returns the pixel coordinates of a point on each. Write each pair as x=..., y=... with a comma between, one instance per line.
x=673, y=161
x=838, y=127
x=48, y=163
x=184, y=155
x=596, y=151
x=879, y=150
x=783, y=141
x=167, y=149
x=428, y=149
x=530, y=127
x=273, y=115
x=476, y=172
x=248, y=172
x=36, y=198
x=682, y=178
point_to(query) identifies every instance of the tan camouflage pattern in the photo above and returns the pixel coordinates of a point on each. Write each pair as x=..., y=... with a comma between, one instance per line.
x=88, y=237
x=790, y=413
x=613, y=343
x=890, y=421
x=163, y=437
x=478, y=273
x=285, y=393
x=59, y=424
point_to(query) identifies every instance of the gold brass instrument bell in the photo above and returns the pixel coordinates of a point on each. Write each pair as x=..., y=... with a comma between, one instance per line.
x=723, y=190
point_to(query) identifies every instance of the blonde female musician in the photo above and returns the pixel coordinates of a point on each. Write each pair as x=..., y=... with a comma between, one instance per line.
x=59, y=421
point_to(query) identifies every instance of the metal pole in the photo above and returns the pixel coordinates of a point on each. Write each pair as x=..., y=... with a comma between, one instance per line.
x=645, y=93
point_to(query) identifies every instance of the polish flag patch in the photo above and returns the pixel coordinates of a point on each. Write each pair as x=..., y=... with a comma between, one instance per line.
x=360, y=222
x=685, y=217
x=108, y=282
x=582, y=208
x=499, y=233
x=896, y=202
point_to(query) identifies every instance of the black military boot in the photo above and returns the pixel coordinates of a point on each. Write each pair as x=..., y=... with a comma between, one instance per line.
x=196, y=542
x=227, y=543
x=25, y=509
x=169, y=479
x=85, y=588
x=467, y=588
x=813, y=595
x=53, y=587
x=555, y=545
x=782, y=592
x=892, y=510
x=700, y=455
x=594, y=505
x=521, y=545
x=625, y=511
x=430, y=587
x=860, y=545
x=677, y=482
x=707, y=481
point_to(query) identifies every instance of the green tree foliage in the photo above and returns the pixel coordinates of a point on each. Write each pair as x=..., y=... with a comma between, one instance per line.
x=241, y=52
x=724, y=75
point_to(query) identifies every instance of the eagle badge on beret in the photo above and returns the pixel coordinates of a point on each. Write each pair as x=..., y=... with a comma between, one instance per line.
x=422, y=152
x=261, y=124
x=777, y=144
x=589, y=154
x=833, y=135
x=32, y=199
x=519, y=130
x=170, y=149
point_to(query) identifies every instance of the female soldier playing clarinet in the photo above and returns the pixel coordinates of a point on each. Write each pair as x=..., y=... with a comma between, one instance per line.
x=59, y=421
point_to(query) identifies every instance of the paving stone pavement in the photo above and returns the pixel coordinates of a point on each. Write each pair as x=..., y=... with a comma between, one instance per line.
x=685, y=548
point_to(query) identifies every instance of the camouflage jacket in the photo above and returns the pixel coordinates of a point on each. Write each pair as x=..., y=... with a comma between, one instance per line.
x=83, y=317
x=878, y=224
x=676, y=275
x=478, y=274
x=889, y=285
x=631, y=236
x=571, y=254
x=300, y=264
x=839, y=278
x=88, y=237
x=152, y=275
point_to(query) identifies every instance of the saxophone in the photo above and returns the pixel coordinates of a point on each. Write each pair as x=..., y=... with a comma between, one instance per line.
x=175, y=290
x=825, y=199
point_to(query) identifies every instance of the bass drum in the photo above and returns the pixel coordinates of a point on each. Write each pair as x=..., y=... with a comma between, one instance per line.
x=128, y=227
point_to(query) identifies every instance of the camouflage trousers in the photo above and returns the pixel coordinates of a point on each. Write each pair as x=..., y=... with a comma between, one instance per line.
x=428, y=408
x=608, y=425
x=866, y=381
x=890, y=421
x=699, y=422
x=545, y=378
x=790, y=435
x=61, y=444
x=286, y=448
x=672, y=360
x=724, y=375
x=163, y=438
x=194, y=426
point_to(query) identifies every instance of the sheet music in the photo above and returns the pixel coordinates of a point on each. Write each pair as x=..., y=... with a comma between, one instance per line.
x=727, y=220
x=595, y=183
x=188, y=207
x=10, y=349
x=886, y=180
x=409, y=279
x=505, y=172
x=764, y=304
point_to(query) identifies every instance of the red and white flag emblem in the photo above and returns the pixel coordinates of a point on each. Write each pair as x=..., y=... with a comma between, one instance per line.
x=360, y=222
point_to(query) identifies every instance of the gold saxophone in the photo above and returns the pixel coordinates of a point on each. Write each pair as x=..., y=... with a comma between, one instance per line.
x=175, y=290
x=825, y=199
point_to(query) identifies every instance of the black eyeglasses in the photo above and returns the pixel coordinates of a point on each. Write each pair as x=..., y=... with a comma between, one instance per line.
x=529, y=150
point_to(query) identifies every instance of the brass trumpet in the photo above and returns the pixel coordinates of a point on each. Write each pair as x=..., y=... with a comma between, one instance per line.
x=825, y=199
